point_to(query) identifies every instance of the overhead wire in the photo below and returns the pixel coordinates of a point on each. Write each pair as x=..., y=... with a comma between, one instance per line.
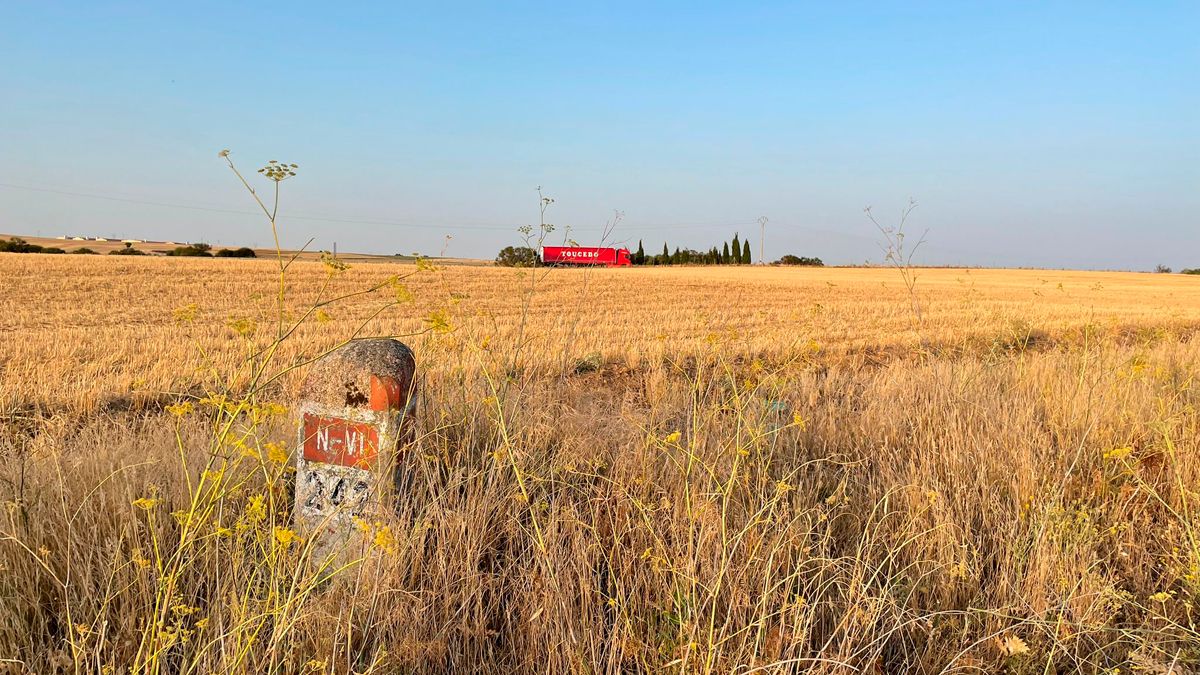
x=347, y=220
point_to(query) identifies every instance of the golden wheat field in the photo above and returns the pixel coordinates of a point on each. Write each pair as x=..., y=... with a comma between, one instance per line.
x=689, y=470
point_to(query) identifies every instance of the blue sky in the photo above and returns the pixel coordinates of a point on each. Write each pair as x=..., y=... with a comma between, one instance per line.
x=1030, y=134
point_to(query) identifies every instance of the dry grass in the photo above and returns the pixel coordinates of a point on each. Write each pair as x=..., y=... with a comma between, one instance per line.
x=708, y=470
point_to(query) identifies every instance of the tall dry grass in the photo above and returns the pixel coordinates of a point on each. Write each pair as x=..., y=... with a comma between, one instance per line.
x=702, y=471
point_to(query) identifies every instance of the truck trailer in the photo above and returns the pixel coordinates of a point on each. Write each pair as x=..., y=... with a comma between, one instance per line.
x=590, y=256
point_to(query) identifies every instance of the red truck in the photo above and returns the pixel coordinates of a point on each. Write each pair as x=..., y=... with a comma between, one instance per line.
x=586, y=255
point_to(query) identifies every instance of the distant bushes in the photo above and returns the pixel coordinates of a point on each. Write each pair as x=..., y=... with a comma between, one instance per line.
x=192, y=251
x=517, y=256
x=1190, y=270
x=128, y=250
x=18, y=245
x=201, y=250
x=800, y=260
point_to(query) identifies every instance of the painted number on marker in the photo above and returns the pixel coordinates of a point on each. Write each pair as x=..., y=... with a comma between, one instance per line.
x=327, y=492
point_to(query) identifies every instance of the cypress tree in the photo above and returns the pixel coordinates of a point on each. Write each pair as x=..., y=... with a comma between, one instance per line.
x=725, y=255
x=639, y=258
x=746, y=252
x=666, y=254
x=737, y=249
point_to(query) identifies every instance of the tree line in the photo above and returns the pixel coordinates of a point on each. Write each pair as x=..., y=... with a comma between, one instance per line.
x=736, y=252
x=18, y=245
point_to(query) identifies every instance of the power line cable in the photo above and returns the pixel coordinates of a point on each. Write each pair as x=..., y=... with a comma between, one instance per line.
x=355, y=221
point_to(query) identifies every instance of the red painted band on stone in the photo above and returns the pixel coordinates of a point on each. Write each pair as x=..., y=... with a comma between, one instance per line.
x=332, y=440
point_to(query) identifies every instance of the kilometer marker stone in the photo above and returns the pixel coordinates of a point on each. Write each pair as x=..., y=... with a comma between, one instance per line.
x=356, y=413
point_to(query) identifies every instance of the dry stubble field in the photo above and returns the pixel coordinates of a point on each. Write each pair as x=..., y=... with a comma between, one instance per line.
x=682, y=470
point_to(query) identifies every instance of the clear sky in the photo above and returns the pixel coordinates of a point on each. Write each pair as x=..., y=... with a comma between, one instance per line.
x=1031, y=134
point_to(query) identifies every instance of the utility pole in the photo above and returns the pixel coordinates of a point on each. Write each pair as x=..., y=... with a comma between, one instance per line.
x=762, y=238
